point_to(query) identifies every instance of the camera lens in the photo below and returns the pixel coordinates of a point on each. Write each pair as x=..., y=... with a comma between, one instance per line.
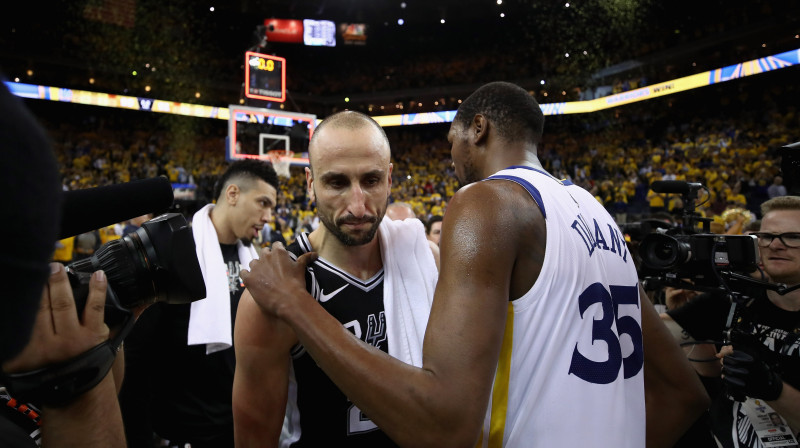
x=663, y=251
x=157, y=263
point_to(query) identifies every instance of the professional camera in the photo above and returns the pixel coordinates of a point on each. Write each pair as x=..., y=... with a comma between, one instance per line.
x=703, y=258
x=689, y=256
x=638, y=230
x=157, y=263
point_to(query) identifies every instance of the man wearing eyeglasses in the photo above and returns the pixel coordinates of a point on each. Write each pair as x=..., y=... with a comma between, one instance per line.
x=760, y=372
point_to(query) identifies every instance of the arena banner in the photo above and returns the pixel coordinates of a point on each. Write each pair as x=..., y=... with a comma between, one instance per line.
x=755, y=67
x=729, y=73
x=32, y=91
x=428, y=117
x=284, y=30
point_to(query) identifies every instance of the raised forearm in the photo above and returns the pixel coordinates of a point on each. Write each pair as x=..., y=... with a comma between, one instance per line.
x=404, y=401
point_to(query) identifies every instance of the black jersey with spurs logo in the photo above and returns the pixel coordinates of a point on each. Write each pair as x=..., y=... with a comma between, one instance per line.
x=326, y=416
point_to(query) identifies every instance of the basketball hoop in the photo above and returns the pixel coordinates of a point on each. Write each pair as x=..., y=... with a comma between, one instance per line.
x=281, y=160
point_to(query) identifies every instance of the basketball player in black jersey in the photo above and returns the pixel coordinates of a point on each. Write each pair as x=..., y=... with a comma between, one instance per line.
x=350, y=180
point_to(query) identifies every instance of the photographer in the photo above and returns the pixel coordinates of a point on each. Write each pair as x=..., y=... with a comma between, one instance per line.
x=760, y=371
x=41, y=326
x=60, y=335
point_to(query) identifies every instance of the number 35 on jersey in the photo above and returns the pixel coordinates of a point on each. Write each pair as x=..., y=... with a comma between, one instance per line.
x=603, y=364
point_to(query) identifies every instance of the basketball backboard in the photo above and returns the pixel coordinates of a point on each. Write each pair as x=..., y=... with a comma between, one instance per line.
x=254, y=131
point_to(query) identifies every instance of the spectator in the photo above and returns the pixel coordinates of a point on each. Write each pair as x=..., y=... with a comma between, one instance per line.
x=776, y=188
x=400, y=211
x=433, y=229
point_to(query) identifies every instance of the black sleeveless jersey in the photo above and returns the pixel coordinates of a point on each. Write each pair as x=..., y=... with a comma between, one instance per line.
x=327, y=417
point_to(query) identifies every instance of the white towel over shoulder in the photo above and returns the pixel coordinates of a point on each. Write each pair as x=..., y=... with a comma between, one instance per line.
x=410, y=277
x=210, y=318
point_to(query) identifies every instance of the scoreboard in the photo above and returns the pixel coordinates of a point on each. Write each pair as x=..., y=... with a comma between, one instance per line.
x=265, y=77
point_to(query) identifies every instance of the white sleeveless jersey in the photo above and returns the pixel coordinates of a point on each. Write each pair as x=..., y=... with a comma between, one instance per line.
x=570, y=369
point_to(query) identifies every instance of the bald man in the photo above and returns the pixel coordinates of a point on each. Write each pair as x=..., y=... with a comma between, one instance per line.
x=399, y=211
x=350, y=179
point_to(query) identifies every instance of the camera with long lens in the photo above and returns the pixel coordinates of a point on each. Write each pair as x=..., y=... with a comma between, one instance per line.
x=157, y=263
x=689, y=256
x=703, y=258
x=636, y=231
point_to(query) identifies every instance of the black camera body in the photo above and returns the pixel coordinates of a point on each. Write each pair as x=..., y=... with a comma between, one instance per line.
x=157, y=263
x=727, y=265
x=690, y=256
x=700, y=258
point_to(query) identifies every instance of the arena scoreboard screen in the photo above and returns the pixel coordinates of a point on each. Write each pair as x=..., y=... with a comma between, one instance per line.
x=265, y=77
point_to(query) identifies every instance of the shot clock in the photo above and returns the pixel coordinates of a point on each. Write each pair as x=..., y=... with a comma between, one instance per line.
x=265, y=77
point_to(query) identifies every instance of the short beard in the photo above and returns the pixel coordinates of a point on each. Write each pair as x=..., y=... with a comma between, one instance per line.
x=349, y=240
x=470, y=174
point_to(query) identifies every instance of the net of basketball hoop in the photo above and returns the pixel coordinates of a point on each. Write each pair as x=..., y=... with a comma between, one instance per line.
x=281, y=160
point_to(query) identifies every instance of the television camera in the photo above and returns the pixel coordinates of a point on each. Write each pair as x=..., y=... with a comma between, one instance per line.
x=156, y=263
x=689, y=256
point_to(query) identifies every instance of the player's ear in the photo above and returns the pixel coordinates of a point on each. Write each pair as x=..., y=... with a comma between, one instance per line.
x=232, y=194
x=310, y=184
x=480, y=129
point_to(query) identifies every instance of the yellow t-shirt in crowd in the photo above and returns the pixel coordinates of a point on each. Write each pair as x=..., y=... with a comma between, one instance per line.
x=64, y=249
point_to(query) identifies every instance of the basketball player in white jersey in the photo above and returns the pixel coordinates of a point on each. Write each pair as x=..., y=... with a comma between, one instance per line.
x=539, y=335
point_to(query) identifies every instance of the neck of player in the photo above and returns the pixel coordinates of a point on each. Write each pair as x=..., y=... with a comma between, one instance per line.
x=362, y=261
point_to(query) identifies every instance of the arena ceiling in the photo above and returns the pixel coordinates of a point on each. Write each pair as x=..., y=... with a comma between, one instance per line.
x=197, y=48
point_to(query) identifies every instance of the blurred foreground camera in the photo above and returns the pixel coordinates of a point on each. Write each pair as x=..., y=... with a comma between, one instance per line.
x=157, y=263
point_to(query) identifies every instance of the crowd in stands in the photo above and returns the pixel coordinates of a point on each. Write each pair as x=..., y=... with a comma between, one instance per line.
x=728, y=39
x=614, y=154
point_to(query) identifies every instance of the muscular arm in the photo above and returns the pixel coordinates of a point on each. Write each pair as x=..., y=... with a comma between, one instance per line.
x=442, y=403
x=261, y=379
x=674, y=396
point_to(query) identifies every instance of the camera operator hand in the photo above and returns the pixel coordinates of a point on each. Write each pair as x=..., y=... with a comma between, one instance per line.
x=677, y=297
x=93, y=418
x=745, y=374
x=58, y=333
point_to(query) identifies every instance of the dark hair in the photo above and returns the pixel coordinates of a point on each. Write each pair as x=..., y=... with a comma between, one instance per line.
x=244, y=171
x=663, y=216
x=514, y=112
x=429, y=224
